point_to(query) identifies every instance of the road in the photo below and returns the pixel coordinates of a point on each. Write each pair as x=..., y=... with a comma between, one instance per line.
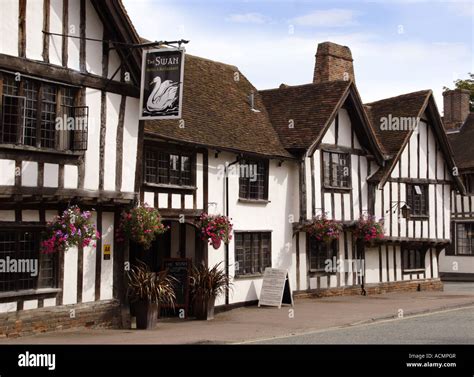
x=454, y=326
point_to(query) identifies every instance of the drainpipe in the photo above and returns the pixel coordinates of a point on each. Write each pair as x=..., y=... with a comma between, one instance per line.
x=226, y=256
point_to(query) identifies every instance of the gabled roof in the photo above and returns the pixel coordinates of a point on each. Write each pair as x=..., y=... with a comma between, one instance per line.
x=412, y=105
x=311, y=108
x=217, y=113
x=115, y=19
x=462, y=144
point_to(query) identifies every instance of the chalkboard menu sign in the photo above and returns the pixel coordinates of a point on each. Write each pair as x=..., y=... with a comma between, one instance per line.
x=275, y=288
x=180, y=268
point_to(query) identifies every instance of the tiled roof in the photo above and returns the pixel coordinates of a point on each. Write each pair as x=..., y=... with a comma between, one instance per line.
x=300, y=113
x=217, y=113
x=462, y=144
x=393, y=141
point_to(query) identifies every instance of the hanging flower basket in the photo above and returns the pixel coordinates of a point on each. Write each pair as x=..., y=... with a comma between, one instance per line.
x=215, y=229
x=73, y=228
x=140, y=224
x=323, y=229
x=368, y=229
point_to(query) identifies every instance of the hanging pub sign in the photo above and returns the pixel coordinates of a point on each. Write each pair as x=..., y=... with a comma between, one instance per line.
x=161, y=91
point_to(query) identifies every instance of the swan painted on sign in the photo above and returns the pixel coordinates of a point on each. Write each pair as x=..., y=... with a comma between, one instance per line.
x=163, y=95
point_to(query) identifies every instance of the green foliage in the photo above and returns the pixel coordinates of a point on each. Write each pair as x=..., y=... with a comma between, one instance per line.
x=466, y=84
x=153, y=287
x=209, y=282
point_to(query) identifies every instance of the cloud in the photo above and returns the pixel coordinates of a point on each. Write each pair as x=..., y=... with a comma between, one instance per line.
x=248, y=18
x=327, y=18
x=383, y=67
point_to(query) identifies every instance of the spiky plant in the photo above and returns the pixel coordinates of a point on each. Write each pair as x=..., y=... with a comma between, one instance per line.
x=209, y=282
x=153, y=287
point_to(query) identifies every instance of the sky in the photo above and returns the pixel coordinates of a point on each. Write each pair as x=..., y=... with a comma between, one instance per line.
x=398, y=46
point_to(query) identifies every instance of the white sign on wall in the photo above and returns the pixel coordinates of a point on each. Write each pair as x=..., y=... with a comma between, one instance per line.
x=275, y=288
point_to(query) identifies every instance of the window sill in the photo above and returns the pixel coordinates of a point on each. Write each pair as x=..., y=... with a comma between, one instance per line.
x=254, y=201
x=170, y=187
x=248, y=276
x=419, y=217
x=30, y=292
x=27, y=148
x=321, y=272
x=414, y=271
x=337, y=189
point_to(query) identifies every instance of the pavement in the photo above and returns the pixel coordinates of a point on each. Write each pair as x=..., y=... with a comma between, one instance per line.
x=253, y=323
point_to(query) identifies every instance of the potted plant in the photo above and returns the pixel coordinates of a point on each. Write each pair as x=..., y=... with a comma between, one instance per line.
x=147, y=290
x=206, y=285
x=140, y=224
x=215, y=229
x=323, y=229
x=368, y=229
x=72, y=228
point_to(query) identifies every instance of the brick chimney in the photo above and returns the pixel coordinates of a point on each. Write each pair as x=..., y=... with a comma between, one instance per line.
x=333, y=62
x=456, y=108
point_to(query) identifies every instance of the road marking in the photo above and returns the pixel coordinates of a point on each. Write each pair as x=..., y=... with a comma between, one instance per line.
x=356, y=325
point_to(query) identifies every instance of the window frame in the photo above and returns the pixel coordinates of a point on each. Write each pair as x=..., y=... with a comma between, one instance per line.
x=42, y=121
x=456, y=238
x=262, y=257
x=158, y=149
x=410, y=196
x=320, y=246
x=327, y=179
x=469, y=183
x=413, y=269
x=42, y=258
x=245, y=181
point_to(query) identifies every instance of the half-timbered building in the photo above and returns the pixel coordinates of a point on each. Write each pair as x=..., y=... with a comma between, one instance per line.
x=457, y=261
x=63, y=60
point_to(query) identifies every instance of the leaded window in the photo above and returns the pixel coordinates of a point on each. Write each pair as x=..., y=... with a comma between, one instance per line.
x=253, y=252
x=337, y=170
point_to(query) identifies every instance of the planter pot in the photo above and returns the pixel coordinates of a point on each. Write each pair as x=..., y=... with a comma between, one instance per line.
x=146, y=314
x=204, y=307
x=216, y=244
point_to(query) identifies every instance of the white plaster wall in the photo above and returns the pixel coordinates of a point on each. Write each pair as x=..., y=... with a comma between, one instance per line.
x=7, y=167
x=71, y=176
x=149, y=198
x=8, y=307
x=92, y=157
x=74, y=30
x=273, y=216
x=199, y=181
x=113, y=110
x=30, y=304
x=34, y=28
x=130, y=137
x=29, y=173
x=55, y=26
x=51, y=175
x=95, y=30
x=456, y=263
x=7, y=215
x=107, y=277
x=30, y=215
x=88, y=269
x=114, y=63
x=70, y=276
x=9, y=27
